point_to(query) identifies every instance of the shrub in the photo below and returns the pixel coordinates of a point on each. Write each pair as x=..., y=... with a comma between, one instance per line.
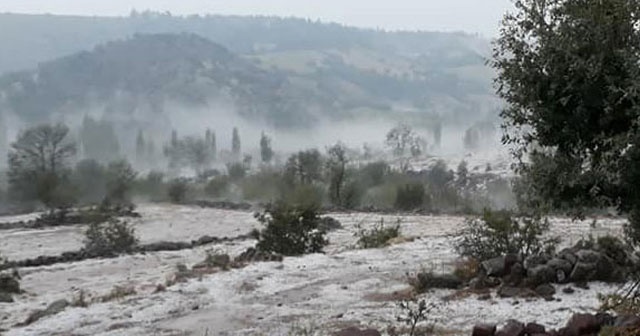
x=217, y=187
x=410, y=196
x=236, y=171
x=111, y=238
x=290, y=230
x=620, y=304
x=466, y=269
x=377, y=236
x=614, y=248
x=413, y=313
x=496, y=233
x=177, y=191
x=424, y=281
x=118, y=293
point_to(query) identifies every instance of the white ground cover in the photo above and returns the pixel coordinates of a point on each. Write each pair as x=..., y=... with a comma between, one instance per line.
x=345, y=286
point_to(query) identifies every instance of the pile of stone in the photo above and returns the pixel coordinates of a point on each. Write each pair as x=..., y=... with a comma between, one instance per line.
x=578, y=325
x=534, y=275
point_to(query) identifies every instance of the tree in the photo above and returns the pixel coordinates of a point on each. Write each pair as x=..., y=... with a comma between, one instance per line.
x=235, y=143
x=120, y=178
x=141, y=147
x=568, y=71
x=196, y=153
x=210, y=140
x=37, y=165
x=99, y=141
x=266, y=153
x=402, y=139
x=304, y=166
x=336, y=168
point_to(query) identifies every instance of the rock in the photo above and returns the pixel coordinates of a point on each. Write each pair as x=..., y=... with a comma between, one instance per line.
x=204, y=240
x=353, y=331
x=605, y=319
x=426, y=281
x=560, y=264
x=568, y=290
x=540, y=275
x=512, y=328
x=484, y=297
x=561, y=276
x=330, y=224
x=627, y=321
x=494, y=267
x=516, y=275
x=484, y=330
x=588, y=256
x=607, y=270
x=582, y=271
x=569, y=256
x=535, y=260
x=482, y=282
x=9, y=283
x=54, y=308
x=545, y=290
x=534, y=328
x=509, y=292
x=582, y=324
x=6, y=297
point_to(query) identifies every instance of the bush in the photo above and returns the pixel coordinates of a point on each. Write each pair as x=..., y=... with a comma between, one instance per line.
x=111, y=238
x=217, y=187
x=497, y=234
x=177, y=191
x=378, y=236
x=236, y=171
x=290, y=231
x=414, y=313
x=466, y=269
x=410, y=196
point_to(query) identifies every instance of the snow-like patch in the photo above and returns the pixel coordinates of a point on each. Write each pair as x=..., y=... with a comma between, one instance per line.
x=325, y=290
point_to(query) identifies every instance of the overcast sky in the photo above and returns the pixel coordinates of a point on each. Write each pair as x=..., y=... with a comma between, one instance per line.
x=475, y=16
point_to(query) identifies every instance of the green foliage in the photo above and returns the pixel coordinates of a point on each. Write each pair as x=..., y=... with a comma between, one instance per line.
x=304, y=167
x=337, y=172
x=120, y=179
x=236, y=170
x=152, y=186
x=378, y=235
x=290, y=231
x=568, y=72
x=410, y=196
x=37, y=166
x=305, y=196
x=218, y=186
x=266, y=152
x=90, y=179
x=114, y=237
x=177, y=191
x=497, y=233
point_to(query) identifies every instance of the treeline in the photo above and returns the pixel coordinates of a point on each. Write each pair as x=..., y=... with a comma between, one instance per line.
x=43, y=171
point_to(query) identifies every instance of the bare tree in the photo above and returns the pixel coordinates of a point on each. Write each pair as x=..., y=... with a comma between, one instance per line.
x=37, y=162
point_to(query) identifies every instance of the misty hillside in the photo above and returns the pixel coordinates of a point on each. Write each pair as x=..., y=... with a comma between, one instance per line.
x=286, y=72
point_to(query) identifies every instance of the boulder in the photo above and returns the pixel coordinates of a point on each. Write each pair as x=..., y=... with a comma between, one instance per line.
x=560, y=264
x=568, y=255
x=607, y=270
x=509, y=292
x=484, y=330
x=494, y=267
x=535, y=260
x=540, y=275
x=588, y=256
x=354, y=331
x=545, y=290
x=568, y=290
x=6, y=297
x=512, y=328
x=428, y=280
x=627, y=321
x=582, y=271
x=54, y=308
x=330, y=224
x=516, y=275
x=582, y=324
x=9, y=283
x=534, y=328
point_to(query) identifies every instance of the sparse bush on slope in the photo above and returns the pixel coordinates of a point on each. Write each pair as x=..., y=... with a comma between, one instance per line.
x=378, y=236
x=110, y=238
x=290, y=230
x=497, y=233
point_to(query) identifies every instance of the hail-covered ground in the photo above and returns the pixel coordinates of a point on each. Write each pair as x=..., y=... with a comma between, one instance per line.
x=322, y=292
